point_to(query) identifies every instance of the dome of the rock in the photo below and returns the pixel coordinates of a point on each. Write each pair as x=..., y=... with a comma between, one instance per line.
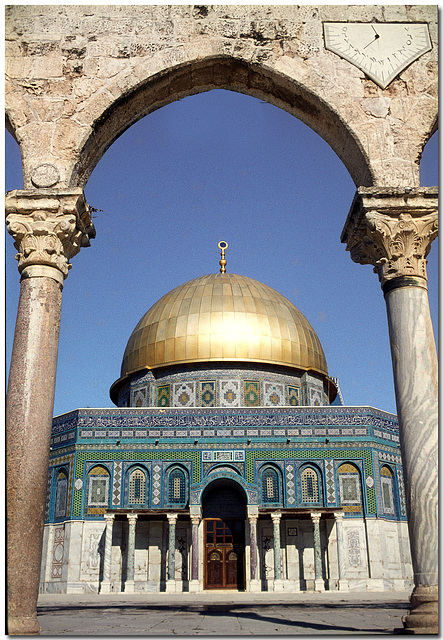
x=223, y=317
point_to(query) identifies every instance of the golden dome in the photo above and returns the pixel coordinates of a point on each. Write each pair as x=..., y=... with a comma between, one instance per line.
x=223, y=317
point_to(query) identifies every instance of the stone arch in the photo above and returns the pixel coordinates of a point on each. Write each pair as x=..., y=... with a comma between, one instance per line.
x=110, y=118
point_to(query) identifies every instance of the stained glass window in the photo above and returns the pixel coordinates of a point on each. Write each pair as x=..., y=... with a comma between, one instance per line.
x=177, y=487
x=309, y=486
x=270, y=488
x=387, y=490
x=137, y=487
x=61, y=494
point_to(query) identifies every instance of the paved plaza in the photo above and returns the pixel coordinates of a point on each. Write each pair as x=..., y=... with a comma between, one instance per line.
x=222, y=614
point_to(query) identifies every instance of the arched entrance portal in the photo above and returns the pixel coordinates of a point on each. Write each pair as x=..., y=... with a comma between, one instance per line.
x=224, y=514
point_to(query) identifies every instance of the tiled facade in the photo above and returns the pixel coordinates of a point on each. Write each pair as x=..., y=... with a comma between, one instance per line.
x=346, y=447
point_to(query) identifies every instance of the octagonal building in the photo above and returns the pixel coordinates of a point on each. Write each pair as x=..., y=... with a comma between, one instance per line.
x=224, y=464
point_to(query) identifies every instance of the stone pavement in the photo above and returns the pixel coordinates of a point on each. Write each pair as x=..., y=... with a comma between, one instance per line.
x=222, y=614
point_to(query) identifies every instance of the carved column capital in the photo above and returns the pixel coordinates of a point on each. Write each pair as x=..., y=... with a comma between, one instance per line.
x=253, y=517
x=393, y=229
x=132, y=517
x=338, y=516
x=109, y=517
x=172, y=517
x=195, y=519
x=48, y=228
x=315, y=516
x=276, y=517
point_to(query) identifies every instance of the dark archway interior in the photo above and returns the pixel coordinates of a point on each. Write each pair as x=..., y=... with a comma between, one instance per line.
x=224, y=499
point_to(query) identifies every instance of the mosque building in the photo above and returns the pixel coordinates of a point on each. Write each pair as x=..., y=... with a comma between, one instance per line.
x=224, y=464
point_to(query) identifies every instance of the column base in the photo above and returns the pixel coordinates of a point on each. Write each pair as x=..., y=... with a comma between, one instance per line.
x=343, y=585
x=194, y=586
x=255, y=586
x=279, y=586
x=105, y=587
x=171, y=586
x=423, y=617
x=129, y=586
x=319, y=585
x=23, y=626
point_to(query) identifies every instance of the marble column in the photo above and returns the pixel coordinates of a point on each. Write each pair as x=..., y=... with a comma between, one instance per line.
x=105, y=586
x=319, y=584
x=170, y=583
x=194, y=583
x=48, y=228
x=393, y=231
x=129, y=584
x=254, y=585
x=343, y=584
x=278, y=582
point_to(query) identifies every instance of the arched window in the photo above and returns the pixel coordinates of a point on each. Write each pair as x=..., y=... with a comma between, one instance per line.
x=310, y=487
x=270, y=486
x=350, y=488
x=177, y=487
x=387, y=490
x=136, y=489
x=98, y=487
x=61, y=494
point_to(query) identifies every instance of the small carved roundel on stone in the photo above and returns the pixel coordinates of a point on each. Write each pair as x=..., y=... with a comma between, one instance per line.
x=78, y=484
x=45, y=175
x=369, y=481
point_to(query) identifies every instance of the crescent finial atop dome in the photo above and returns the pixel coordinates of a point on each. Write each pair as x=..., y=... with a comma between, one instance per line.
x=222, y=245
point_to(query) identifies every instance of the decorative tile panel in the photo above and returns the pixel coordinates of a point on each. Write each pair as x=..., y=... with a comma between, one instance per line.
x=230, y=393
x=139, y=397
x=330, y=483
x=163, y=396
x=273, y=394
x=117, y=484
x=293, y=396
x=184, y=395
x=252, y=393
x=401, y=492
x=290, y=485
x=207, y=393
x=58, y=551
x=315, y=397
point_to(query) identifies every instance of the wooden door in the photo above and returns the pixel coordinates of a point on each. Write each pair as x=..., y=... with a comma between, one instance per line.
x=224, y=554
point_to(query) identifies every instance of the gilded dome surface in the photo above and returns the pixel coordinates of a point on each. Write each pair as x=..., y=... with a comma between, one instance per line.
x=223, y=317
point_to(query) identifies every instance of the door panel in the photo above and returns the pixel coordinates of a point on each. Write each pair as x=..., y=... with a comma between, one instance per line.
x=224, y=554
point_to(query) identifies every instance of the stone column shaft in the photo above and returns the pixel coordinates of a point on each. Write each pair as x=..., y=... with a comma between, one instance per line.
x=132, y=519
x=172, y=519
x=276, y=517
x=319, y=584
x=48, y=229
x=253, y=545
x=393, y=231
x=105, y=586
x=195, y=521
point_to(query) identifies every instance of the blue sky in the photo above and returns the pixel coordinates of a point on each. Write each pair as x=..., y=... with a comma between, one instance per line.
x=218, y=166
